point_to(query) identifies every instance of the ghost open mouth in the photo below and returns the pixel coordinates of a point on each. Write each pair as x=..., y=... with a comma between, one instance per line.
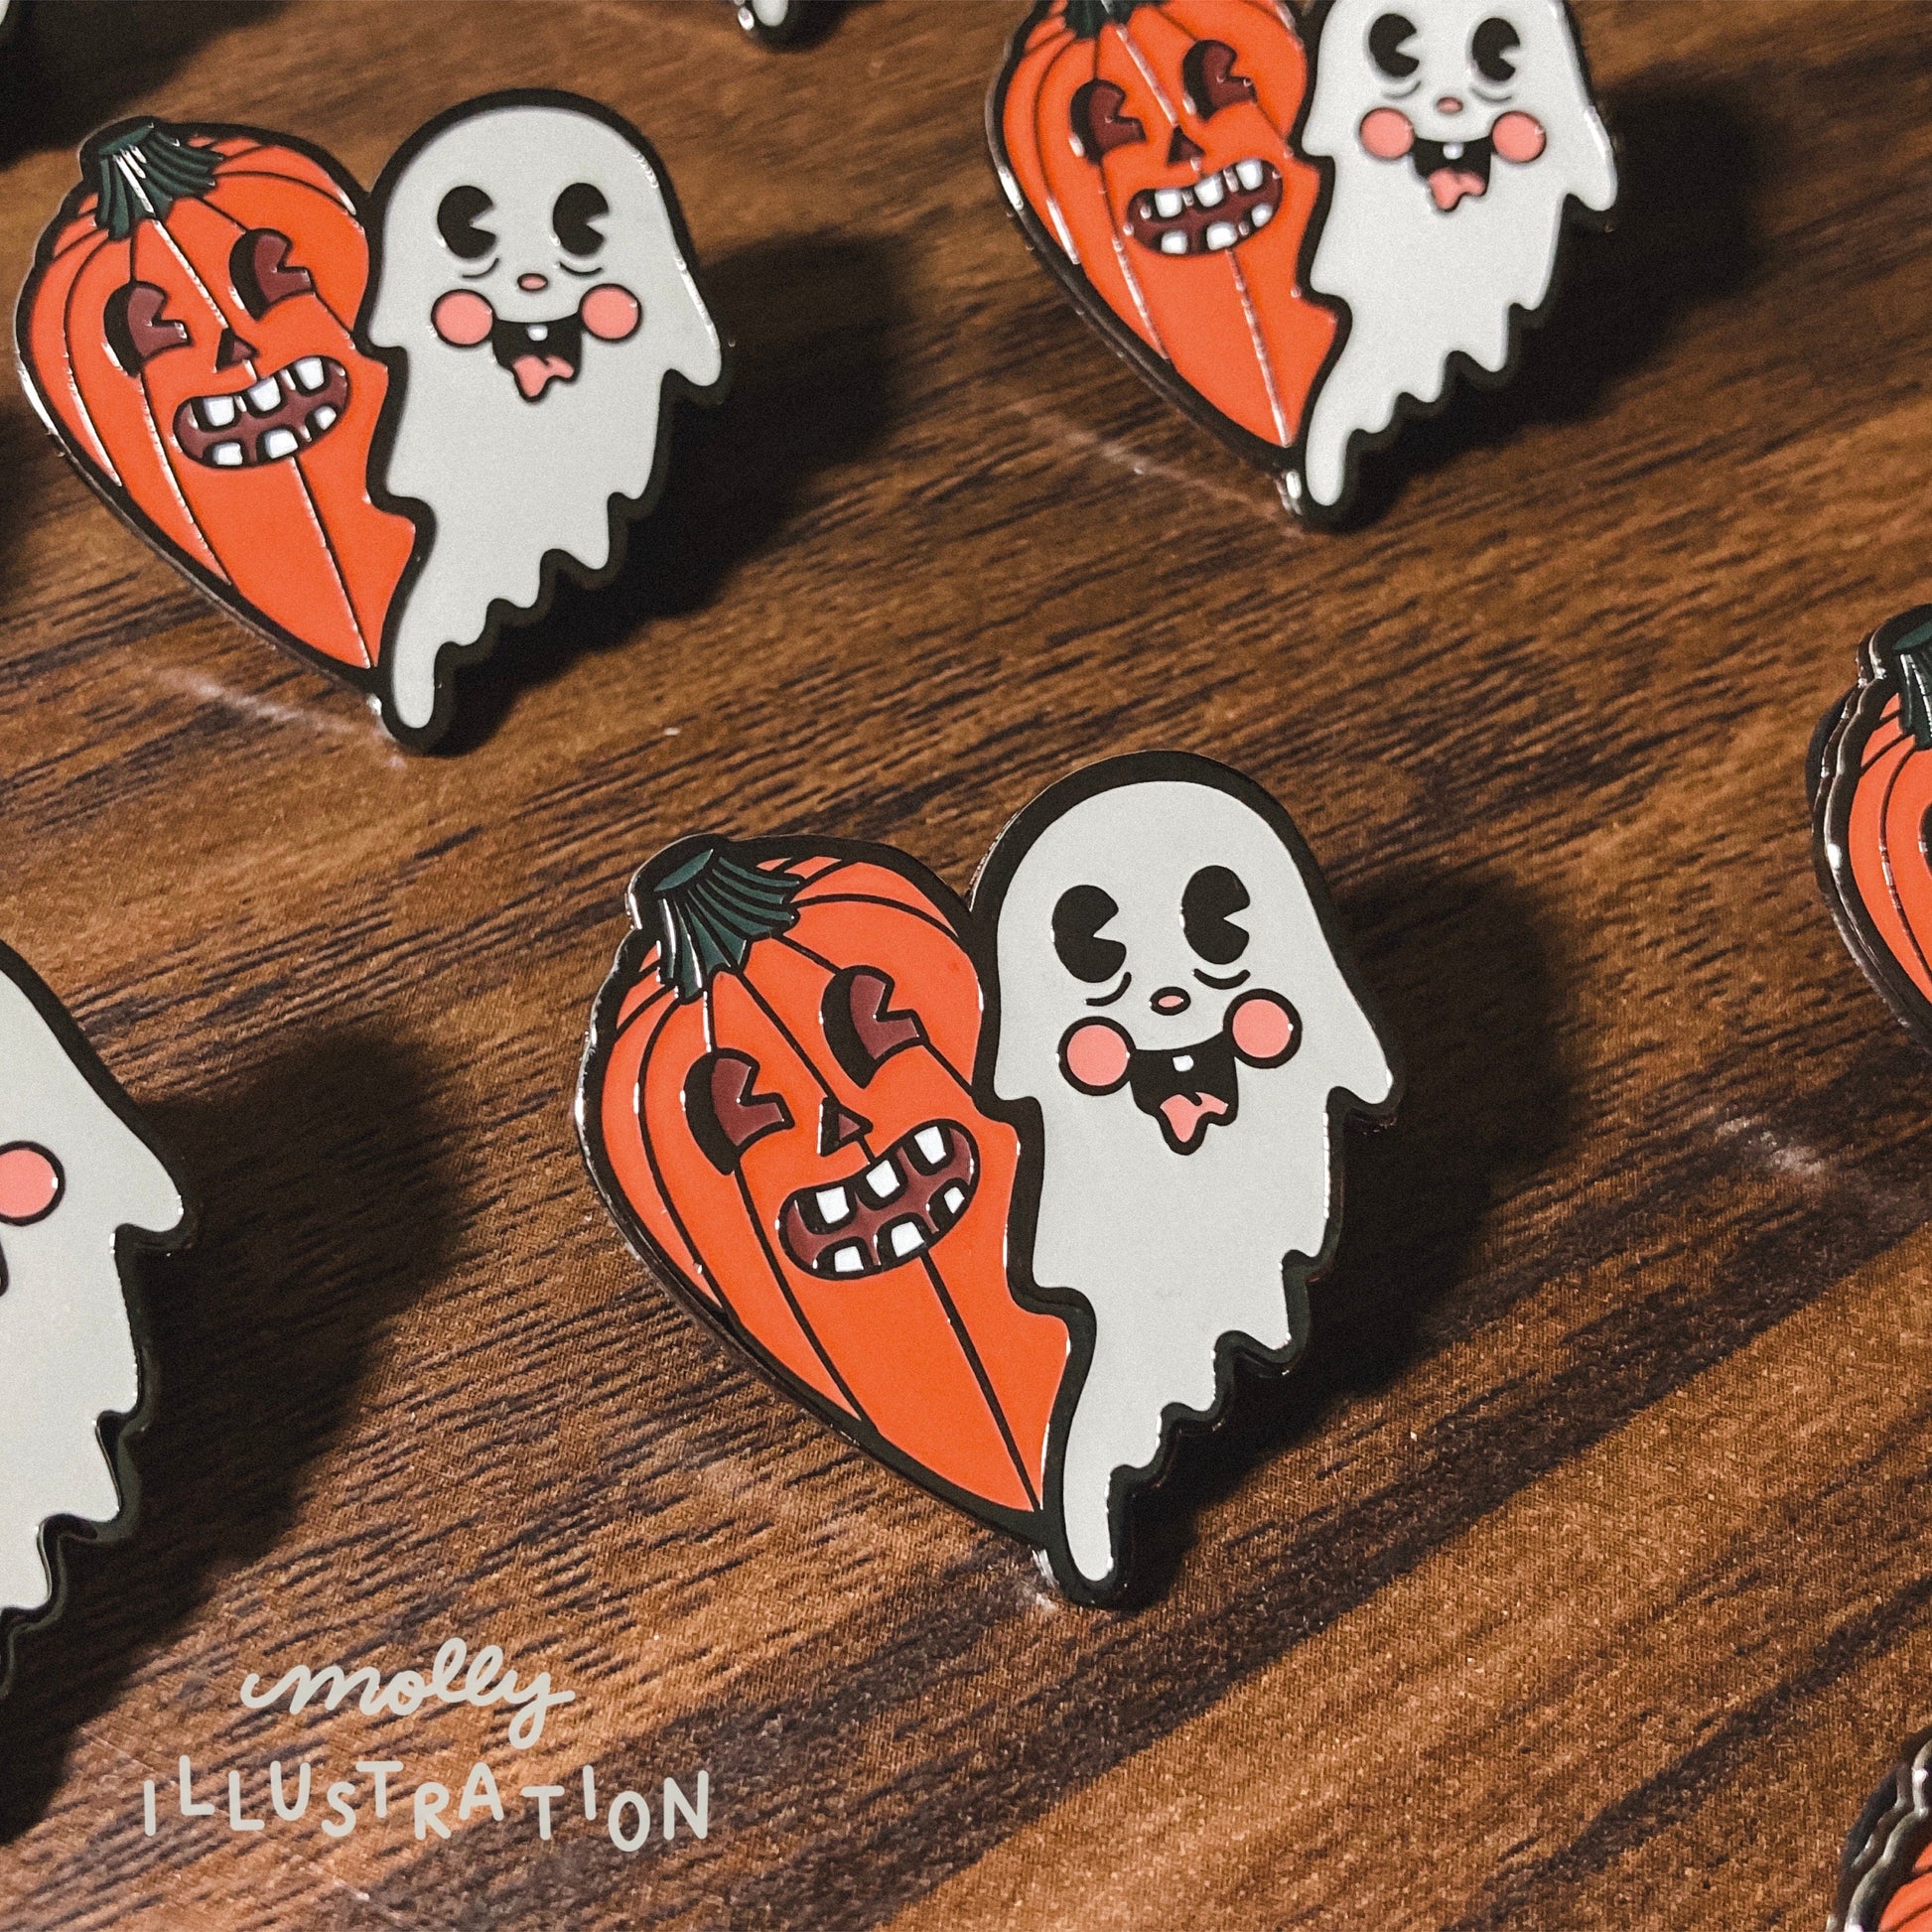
x=1452, y=170
x=538, y=353
x=1187, y=1091
x=889, y=1212
x=278, y=416
x=1218, y=211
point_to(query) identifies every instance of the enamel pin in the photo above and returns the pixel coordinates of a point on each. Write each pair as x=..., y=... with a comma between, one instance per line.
x=1885, y=1876
x=373, y=430
x=1299, y=248
x=995, y=1189
x=81, y=1190
x=1870, y=775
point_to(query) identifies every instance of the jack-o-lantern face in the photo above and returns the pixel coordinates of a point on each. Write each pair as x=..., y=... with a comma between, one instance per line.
x=1147, y=142
x=186, y=331
x=776, y=1105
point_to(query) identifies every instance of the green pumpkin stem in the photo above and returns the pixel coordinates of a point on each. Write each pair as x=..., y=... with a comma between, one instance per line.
x=140, y=171
x=1087, y=17
x=712, y=910
x=1910, y=660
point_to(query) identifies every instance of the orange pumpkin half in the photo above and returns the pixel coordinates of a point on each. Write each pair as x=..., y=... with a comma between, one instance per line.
x=776, y=1105
x=1144, y=148
x=1873, y=816
x=185, y=334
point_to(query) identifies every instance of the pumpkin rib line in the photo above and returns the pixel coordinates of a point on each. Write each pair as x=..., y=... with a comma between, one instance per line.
x=638, y=1012
x=286, y=181
x=73, y=374
x=862, y=898
x=819, y=959
x=1885, y=860
x=334, y=564
x=987, y=1393
x=758, y=1226
x=657, y=1173
x=1261, y=358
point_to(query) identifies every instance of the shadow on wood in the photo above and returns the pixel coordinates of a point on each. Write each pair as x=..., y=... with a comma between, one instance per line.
x=324, y=1214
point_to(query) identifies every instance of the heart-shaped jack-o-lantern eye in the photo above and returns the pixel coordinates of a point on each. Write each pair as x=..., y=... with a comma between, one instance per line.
x=137, y=326
x=1099, y=126
x=262, y=274
x=1207, y=73
x=861, y=1027
x=726, y=1112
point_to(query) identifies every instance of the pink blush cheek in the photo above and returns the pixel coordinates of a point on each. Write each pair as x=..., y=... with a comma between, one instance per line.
x=30, y=1184
x=611, y=312
x=1387, y=134
x=1096, y=1055
x=1263, y=1028
x=1519, y=138
x=463, y=317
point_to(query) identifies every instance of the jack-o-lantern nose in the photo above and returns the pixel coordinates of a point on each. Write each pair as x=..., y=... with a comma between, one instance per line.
x=1182, y=149
x=233, y=348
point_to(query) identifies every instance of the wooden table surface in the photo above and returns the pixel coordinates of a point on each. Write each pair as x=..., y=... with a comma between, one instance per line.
x=1576, y=1579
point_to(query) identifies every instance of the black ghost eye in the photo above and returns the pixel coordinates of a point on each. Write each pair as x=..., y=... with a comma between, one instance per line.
x=1387, y=46
x=1099, y=125
x=1213, y=895
x=455, y=223
x=1491, y=47
x=861, y=1027
x=578, y=206
x=262, y=274
x=136, y=326
x=725, y=1110
x=1077, y=918
x=1207, y=73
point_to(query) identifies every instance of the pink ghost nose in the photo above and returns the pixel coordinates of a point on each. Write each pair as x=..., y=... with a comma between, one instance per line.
x=1169, y=999
x=1448, y=105
x=533, y=283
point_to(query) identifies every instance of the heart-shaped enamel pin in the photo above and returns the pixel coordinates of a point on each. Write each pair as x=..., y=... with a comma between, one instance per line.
x=373, y=428
x=994, y=1191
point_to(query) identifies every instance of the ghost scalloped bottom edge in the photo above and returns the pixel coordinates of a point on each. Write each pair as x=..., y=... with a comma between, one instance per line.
x=775, y=1108
x=1872, y=812
x=84, y=1189
x=1462, y=140
x=1177, y=1031
x=534, y=294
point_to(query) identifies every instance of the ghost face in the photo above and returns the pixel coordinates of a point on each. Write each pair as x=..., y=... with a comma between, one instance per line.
x=1459, y=130
x=531, y=275
x=1170, y=1002
x=73, y=1176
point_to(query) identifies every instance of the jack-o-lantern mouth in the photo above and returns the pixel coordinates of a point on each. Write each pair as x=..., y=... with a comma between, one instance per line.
x=277, y=417
x=889, y=1213
x=1217, y=212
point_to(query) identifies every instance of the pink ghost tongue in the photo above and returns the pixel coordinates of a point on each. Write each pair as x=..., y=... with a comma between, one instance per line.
x=534, y=373
x=1448, y=185
x=1184, y=1113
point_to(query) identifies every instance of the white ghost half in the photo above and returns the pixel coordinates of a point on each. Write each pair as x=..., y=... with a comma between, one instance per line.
x=1459, y=133
x=529, y=271
x=72, y=1175
x=1169, y=1000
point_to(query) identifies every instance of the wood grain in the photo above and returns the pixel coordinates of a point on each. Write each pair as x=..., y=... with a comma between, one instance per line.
x=1575, y=1581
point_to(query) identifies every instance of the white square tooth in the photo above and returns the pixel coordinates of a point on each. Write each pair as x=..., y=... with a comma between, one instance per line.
x=226, y=456
x=321, y=419
x=1249, y=173
x=1261, y=215
x=932, y=1142
x=1452, y=150
x=849, y=1260
x=907, y=1238
x=539, y=332
x=883, y=1182
x=954, y=1198
x=1183, y=1062
x=834, y=1206
x=1166, y=202
x=307, y=372
x=1223, y=235
x=1211, y=191
x=217, y=412
x=280, y=442
x=266, y=396
x=1174, y=243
